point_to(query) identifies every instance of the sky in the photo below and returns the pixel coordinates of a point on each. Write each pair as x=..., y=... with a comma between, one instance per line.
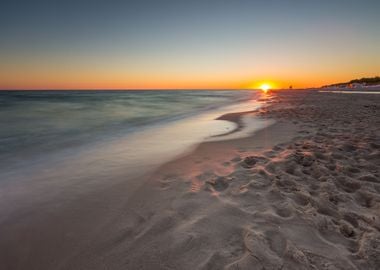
x=205, y=44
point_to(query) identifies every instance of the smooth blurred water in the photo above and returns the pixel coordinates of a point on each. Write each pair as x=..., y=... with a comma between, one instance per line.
x=44, y=124
x=52, y=119
x=54, y=145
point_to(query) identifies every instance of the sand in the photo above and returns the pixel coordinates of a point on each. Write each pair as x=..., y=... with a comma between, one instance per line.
x=303, y=193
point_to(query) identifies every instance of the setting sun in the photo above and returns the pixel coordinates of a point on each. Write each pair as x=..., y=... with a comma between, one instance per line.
x=265, y=87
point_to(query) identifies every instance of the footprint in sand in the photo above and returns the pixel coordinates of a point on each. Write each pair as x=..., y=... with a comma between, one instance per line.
x=347, y=185
x=283, y=211
x=287, y=185
x=258, y=253
x=277, y=242
x=251, y=161
x=326, y=208
x=291, y=168
x=365, y=199
x=369, y=178
x=370, y=249
x=258, y=182
x=352, y=218
x=301, y=199
x=347, y=230
x=218, y=183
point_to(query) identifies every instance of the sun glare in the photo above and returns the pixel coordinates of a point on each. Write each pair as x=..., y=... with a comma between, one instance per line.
x=265, y=87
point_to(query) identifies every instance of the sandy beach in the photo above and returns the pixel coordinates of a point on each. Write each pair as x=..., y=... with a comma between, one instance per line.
x=303, y=193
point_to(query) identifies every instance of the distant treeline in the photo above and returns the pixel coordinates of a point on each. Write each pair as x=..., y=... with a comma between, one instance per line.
x=366, y=81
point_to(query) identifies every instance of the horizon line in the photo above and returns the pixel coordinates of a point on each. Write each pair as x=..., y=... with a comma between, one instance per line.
x=150, y=89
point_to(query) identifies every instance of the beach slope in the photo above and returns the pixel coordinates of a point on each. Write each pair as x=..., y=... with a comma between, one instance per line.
x=303, y=193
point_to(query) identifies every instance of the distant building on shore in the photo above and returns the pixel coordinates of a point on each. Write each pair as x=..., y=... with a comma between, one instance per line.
x=373, y=82
x=356, y=85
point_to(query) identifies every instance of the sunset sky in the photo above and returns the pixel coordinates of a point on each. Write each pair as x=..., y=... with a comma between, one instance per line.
x=99, y=44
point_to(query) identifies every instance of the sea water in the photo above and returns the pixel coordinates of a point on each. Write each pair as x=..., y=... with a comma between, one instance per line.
x=73, y=141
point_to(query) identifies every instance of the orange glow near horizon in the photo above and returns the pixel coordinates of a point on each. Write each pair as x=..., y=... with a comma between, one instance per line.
x=265, y=87
x=107, y=81
x=81, y=74
x=27, y=77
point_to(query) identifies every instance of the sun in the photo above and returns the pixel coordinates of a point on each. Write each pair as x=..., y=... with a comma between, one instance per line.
x=265, y=87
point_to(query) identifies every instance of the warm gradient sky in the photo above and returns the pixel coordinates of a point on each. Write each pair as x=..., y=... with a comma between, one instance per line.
x=67, y=44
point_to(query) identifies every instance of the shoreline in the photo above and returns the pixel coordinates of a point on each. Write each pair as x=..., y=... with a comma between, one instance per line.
x=298, y=194
x=272, y=200
x=30, y=179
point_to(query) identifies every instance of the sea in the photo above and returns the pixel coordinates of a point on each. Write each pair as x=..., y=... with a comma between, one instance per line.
x=75, y=141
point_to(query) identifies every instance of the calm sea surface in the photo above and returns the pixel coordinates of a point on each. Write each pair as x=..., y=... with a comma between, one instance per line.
x=74, y=141
x=45, y=120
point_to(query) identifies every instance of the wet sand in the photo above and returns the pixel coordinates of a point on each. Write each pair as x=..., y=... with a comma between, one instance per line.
x=303, y=193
